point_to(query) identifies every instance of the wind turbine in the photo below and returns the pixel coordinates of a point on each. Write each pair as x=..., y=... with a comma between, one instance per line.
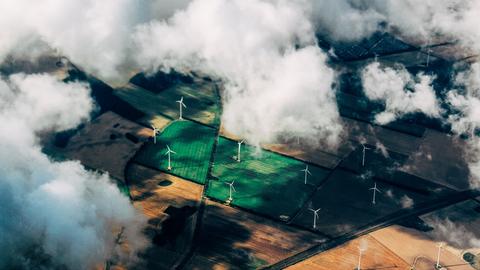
x=169, y=152
x=232, y=189
x=437, y=265
x=315, y=216
x=154, y=134
x=375, y=190
x=239, y=149
x=307, y=172
x=180, y=105
x=428, y=52
x=360, y=250
x=363, y=154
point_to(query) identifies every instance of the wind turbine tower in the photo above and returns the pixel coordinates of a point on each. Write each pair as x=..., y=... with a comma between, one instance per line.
x=169, y=152
x=239, y=149
x=232, y=189
x=437, y=265
x=360, y=253
x=154, y=134
x=363, y=154
x=428, y=52
x=181, y=105
x=306, y=172
x=315, y=216
x=375, y=190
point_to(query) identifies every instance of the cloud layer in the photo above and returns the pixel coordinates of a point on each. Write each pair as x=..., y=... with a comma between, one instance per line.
x=54, y=213
x=401, y=92
x=276, y=79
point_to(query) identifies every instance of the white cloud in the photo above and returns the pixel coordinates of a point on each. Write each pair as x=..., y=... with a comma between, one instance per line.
x=417, y=20
x=466, y=100
x=401, y=92
x=406, y=201
x=56, y=208
x=454, y=233
x=276, y=79
x=345, y=20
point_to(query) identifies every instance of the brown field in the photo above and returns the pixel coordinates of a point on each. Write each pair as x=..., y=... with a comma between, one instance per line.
x=370, y=134
x=170, y=204
x=444, y=165
x=396, y=247
x=461, y=224
x=154, y=198
x=409, y=243
x=233, y=239
x=103, y=145
x=345, y=257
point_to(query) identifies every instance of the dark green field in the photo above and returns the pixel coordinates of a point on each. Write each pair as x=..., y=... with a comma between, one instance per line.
x=265, y=182
x=193, y=144
x=201, y=100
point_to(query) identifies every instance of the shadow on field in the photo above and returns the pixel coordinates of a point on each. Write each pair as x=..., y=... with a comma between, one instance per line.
x=222, y=241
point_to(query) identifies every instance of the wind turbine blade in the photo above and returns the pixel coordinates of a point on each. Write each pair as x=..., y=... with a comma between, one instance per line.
x=173, y=152
x=233, y=188
x=183, y=104
x=308, y=172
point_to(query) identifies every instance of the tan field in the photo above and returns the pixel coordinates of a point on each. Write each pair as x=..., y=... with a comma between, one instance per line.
x=397, y=247
x=455, y=220
x=153, y=198
x=164, y=199
x=103, y=145
x=408, y=244
x=345, y=257
x=234, y=239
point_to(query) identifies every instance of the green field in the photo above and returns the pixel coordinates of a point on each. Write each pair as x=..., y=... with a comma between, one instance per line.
x=123, y=188
x=265, y=182
x=201, y=100
x=193, y=144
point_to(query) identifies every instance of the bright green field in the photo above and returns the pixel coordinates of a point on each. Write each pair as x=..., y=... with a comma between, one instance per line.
x=193, y=144
x=201, y=100
x=268, y=183
x=123, y=188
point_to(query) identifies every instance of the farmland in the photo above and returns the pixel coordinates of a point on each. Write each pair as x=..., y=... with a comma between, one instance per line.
x=200, y=98
x=263, y=180
x=346, y=203
x=108, y=133
x=193, y=144
x=170, y=204
x=374, y=256
x=233, y=239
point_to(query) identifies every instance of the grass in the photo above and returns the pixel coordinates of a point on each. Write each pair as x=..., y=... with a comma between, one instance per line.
x=193, y=144
x=201, y=100
x=123, y=188
x=265, y=182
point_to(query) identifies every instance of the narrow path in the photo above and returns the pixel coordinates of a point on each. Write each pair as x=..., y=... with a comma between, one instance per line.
x=201, y=209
